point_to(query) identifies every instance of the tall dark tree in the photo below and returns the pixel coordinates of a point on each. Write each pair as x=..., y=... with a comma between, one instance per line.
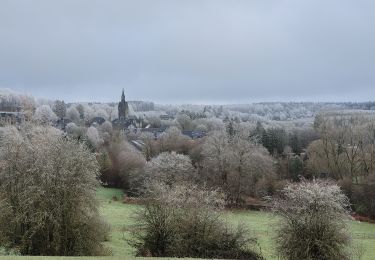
x=59, y=108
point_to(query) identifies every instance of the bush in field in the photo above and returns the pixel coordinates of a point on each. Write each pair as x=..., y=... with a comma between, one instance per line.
x=47, y=194
x=313, y=223
x=186, y=221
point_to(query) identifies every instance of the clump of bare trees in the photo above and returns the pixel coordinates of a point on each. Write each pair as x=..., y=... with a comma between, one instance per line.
x=186, y=221
x=47, y=194
x=117, y=160
x=171, y=140
x=346, y=152
x=237, y=164
x=346, y=148
x=313, y=221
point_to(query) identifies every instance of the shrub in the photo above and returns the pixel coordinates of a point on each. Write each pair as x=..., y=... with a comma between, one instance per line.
x=185, y=221
x=48, y=194
x=313, y=223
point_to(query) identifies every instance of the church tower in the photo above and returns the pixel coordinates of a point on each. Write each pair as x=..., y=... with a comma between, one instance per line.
x=123, y=108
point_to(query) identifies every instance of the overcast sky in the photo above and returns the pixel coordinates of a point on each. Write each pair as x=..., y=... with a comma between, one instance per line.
x=188, y=51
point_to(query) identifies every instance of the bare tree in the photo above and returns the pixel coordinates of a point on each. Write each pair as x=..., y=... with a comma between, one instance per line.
x=236, y=164
x=48, y=194
x=345, y=148
x=216, y=151
x=313, y=221
x=174, y=140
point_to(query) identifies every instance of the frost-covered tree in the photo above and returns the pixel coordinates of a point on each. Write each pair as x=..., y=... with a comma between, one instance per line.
x=106, y=131
x=81, y=110
x=100, y=112
x=153, y=119
x=184, y=122
x=150, y=148
x=44, y=114
x=201, y=127
x=216, y=151
x=112, y=111
x=27, y=105
x=73, y=114
x=59, y=108
x=48, y=194
x=174, y=140
x=168, y=168
x=106, y=127
x=313, y=221
x=93, y=137
x=9, y=100
x=71, y=128
x=75, y=131
x=211, y=124
x=96, y=110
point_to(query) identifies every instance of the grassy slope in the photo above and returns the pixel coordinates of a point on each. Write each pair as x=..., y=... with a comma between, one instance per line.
x=120, y=215
x=259, y=223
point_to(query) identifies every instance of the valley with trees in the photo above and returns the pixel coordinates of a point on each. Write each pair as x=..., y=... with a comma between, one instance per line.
x=208, y=129
x=225, y=182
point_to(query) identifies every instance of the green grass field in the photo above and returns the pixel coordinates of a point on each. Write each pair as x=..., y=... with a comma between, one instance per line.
x=120, y=216
x=261, y=224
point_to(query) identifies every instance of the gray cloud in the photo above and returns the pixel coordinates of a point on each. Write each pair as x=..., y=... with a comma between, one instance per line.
x=189, y=51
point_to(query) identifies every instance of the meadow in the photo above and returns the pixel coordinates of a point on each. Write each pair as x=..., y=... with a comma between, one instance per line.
x=260, y=224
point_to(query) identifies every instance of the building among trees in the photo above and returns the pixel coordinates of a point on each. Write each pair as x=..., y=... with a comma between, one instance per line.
x=123, y=108
x=124, y=120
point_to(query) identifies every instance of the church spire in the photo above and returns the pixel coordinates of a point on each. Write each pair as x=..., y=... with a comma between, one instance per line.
x=123, y=95
x=123, y=107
